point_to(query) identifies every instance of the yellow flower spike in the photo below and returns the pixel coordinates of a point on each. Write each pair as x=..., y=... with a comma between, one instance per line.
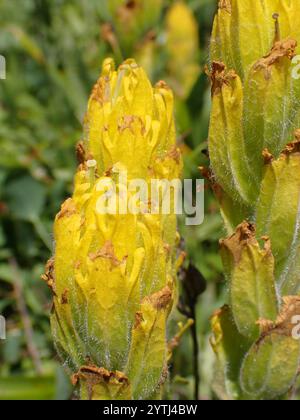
x=182, y=48
x=113, y=274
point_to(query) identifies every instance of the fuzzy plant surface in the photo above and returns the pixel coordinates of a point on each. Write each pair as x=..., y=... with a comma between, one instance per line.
x=254, y=148
x=113, y=275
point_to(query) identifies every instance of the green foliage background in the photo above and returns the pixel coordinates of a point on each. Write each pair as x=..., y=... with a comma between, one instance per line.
x=54, y=50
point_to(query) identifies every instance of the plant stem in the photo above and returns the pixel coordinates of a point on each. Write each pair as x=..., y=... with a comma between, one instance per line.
x=196, y=349
x=28, y=330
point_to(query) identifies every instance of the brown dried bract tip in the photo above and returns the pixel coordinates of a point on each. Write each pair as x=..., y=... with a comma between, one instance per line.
x=64, y=297
x=127, y=123
x=93, y=376
x=161, y=299
x=175, y=154
x=281, y=49
x=268, y=157
x=107, y=252
x=162, y=85
x=138, y=319
x=68, y=208
x=225, y=5
x=48, y=277
x=80, y=153
x=100, y=373
x=109, y=172
x=293, y=147
x=284, y=323
x=243, y=236
x=220, y=76
x=267, y=245
x=99, y=89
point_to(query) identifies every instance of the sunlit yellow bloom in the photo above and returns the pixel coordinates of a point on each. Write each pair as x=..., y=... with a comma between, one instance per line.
x=113, y=275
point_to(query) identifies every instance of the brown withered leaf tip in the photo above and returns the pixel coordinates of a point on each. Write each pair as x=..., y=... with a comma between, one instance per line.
x=109, y=172
x=281, y=49
x=48, y=277
x=138, y=319
x=101, y=374
x=175, y=154
x=64, y=297
x=283, y=324
x=127, y=123
x=268, y=157
x=225, y=5
x=294, y=146
x=220, y=76
x=107, y=252
x=80, y=153
x=244, y=236
x=98, y=92
x=162, y=85
x=161, y=299
x=93, y=376
x=68, y=208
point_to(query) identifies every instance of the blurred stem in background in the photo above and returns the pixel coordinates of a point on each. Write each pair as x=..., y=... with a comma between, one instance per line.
x=25, y=318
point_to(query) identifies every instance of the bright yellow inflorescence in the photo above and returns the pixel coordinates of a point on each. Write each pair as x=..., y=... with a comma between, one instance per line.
x=113, y=275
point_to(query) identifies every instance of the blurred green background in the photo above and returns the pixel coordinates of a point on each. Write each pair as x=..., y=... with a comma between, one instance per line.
x=54, y=51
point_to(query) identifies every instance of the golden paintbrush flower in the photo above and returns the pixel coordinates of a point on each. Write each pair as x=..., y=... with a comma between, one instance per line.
x=113, y=275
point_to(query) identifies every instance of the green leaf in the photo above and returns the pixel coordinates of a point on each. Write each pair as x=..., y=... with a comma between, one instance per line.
x=271, y=366
x=26, y=198
x=278, y=217
x=252, y=285
x=226, y=139
x=230, y=347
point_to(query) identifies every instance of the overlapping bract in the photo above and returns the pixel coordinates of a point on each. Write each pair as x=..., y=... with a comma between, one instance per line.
x=254, y=150
x=113, y=275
